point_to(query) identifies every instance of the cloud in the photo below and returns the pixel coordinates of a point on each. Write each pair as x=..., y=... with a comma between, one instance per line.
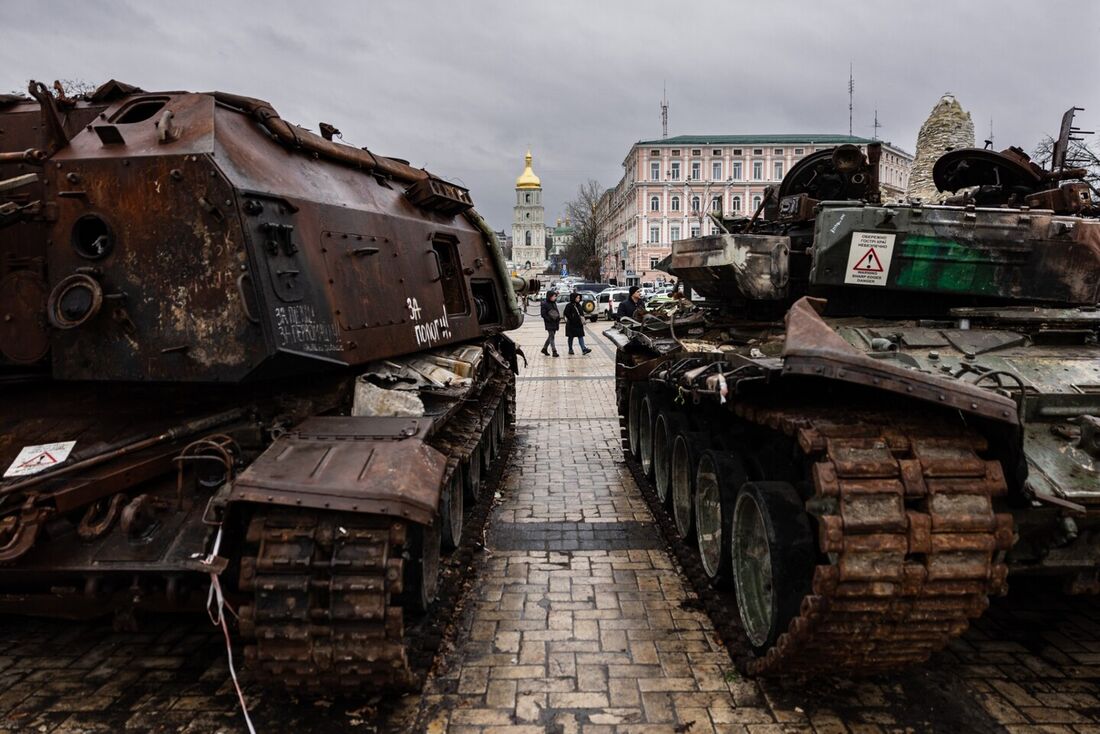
x=464, y=88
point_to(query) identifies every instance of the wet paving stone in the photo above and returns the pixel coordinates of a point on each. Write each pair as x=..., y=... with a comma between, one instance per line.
x=567, y=536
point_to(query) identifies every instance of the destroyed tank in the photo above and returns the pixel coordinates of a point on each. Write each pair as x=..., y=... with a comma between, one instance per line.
x=235, y=352
x=864, y=418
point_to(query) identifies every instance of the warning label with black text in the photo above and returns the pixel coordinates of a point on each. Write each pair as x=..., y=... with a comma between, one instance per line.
x=869, y=258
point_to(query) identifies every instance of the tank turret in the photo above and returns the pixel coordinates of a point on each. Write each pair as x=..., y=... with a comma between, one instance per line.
x=231, y=346
x=864, y=419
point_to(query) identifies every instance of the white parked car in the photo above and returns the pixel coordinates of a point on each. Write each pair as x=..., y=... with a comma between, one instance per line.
x=615, y=296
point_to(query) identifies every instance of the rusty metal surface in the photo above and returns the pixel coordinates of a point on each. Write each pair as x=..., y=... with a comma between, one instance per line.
x=189, y=288
x=325, y=611
x=911, y=540
x=960, y=253
x=222, y=258
x=350, y=464
x=982, y=309
x=339, y=573
x=811, y=347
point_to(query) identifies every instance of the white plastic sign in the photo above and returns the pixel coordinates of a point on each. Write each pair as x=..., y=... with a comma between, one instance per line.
x=33, y=459
x=869, y=258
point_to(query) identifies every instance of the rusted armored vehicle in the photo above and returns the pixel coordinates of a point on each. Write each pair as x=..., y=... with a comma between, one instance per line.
x=230, y=347
x=864, y=418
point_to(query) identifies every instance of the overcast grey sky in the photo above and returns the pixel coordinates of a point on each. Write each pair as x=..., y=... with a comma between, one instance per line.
x=463, y=87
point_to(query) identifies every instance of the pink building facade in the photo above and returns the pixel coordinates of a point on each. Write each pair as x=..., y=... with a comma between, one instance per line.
x=669, y=185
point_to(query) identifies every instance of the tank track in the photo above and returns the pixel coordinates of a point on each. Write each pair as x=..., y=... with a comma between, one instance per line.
x=905, y=516
x=326, y=613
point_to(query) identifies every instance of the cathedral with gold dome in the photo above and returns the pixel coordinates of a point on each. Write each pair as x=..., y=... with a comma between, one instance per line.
x=529, y=221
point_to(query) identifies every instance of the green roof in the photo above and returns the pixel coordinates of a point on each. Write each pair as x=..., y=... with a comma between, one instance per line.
x=809, y=138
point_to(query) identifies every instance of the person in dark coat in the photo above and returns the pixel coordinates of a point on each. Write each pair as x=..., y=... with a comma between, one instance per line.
x=574, y=322
x=550, y=319
x=630, y=303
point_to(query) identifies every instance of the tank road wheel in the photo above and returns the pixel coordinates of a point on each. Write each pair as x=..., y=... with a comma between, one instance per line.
x=772, y=554
x=665, y=428
x=451, y=509
x=471, y=475
x=634, y=408
x=716, y=483
x=645, y=433
x=486, y=449
x=501, y=422
x=422, y=567
x=492, y=435
x=685, y=456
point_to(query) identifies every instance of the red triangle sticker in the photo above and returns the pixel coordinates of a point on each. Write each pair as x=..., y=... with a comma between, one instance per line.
x=869, y=263
x=43, y=459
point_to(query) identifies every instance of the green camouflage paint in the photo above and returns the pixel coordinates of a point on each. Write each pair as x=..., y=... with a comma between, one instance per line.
x=940, y=264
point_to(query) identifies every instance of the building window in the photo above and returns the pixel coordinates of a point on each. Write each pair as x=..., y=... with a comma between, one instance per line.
x=654, y=204
x=735, y=204
x=756, y=202
x=736, y=171
x=798, y=151
x=676, y=151
x=676, y=170
x=654, y=171
x=716, y=170
x=526, y=198
x=655, y=152
x=716, y=151
x=777, y=151
x=655, y=233
x=696, y=151
x=758, y=151
x=757, y=170
x=695, y=203
x=674, y=232
x=653, y=262
x=737, y=151
x=528, y=215
x=778, y=165
x=695, y=230
x=675, y=203
x=527, y=238
x=695, y=170
x=716, y=203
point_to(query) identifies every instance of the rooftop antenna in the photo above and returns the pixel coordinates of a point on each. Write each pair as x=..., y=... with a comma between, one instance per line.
x=664, y=112
x=989, y=140
x=876, y=126
x=851, y=92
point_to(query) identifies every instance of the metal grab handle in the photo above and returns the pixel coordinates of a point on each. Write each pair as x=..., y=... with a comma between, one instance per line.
x=244, y=301
x=438, y=265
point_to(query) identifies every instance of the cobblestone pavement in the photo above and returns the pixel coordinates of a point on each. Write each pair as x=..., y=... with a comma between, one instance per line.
x=577, y=622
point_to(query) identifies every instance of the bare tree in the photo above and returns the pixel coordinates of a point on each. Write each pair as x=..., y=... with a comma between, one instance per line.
x=1079, y=155
x=587, y=219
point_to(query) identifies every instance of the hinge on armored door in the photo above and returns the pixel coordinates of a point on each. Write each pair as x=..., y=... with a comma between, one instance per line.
x=279, y=237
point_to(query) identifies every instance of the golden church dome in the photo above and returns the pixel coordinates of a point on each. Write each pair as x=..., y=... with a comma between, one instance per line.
x=528, y=179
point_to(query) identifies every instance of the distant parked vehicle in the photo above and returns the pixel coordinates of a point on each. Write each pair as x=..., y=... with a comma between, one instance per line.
x=614, y=298
x=602, y=299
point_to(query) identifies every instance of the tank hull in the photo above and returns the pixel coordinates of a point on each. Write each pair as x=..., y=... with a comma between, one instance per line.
x=241, y=355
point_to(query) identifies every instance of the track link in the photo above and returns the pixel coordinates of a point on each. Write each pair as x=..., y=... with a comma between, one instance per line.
x=323, y=616
x=904, y=509
x=326, y=613
x=905, y=514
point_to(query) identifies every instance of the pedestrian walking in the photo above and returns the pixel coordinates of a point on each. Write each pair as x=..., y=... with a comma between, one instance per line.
x=574, y=322
x=550, y=319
